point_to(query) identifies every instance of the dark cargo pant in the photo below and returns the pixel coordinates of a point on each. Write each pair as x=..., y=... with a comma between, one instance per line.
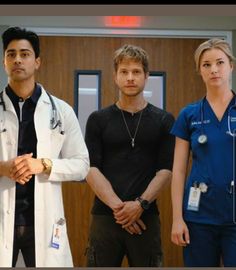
x=109, y=243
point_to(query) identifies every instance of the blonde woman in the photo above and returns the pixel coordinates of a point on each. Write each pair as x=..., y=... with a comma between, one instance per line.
x=203, y=205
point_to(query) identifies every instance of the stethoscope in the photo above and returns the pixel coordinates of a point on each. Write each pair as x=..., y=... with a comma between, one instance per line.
x=202, y=139
x=54, y=121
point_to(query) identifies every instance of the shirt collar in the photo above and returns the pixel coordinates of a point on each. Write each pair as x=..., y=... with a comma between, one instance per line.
x=34, y=97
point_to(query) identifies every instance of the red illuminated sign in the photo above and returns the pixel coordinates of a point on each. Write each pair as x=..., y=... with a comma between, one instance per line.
x=123, y=21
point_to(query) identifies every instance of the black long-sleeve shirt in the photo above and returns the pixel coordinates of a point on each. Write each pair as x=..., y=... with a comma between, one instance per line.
x=27, y=142
x=129, y=169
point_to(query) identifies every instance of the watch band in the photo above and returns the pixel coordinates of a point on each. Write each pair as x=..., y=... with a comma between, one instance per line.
x=144, y=203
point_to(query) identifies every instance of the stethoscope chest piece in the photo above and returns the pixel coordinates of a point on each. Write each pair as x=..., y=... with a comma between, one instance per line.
x=202, y=139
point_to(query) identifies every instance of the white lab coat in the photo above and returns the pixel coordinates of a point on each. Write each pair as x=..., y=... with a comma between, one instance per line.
x=70, y=162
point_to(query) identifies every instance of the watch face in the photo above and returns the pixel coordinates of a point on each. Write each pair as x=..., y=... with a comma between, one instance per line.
x=145, y=204
x=47, y=163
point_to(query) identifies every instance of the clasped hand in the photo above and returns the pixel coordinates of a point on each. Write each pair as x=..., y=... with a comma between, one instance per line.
x=21, y=168
x=128, y=216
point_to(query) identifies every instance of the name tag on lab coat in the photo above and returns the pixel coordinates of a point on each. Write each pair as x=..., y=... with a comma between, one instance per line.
x=56, y=236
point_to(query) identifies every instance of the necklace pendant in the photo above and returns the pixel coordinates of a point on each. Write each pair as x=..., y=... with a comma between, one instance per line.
x=136, y=130
x=132, y=142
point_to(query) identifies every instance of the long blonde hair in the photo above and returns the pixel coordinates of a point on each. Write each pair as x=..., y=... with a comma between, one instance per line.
x=214, y=43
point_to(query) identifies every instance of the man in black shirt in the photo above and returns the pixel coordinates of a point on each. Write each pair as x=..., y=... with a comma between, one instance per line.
x=131, y=155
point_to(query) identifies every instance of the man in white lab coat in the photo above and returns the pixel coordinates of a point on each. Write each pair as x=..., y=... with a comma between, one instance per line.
x=41, y=145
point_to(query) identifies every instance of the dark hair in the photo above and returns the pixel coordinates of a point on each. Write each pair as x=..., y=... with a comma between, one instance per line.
x=14, y=33
x=131, y=52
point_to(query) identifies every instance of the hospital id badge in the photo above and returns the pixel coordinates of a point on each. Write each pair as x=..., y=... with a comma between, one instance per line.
x=56, y=236
x=194, y=199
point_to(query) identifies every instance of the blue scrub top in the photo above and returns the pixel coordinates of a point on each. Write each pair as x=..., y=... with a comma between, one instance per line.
x=212, y=162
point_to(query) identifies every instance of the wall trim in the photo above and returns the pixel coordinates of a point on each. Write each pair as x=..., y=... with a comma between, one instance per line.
x=121, y=32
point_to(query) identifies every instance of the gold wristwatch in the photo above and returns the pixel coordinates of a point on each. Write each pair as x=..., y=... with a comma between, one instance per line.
x=47, y=164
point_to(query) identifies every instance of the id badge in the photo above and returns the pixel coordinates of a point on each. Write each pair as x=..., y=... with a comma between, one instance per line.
x=194, y=199
x=56, y=236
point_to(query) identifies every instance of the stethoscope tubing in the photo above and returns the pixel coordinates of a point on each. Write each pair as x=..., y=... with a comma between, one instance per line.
x=54, y=121
x=202, y=139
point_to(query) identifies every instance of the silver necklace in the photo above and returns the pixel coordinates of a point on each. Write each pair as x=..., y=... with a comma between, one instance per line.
x=136, y=130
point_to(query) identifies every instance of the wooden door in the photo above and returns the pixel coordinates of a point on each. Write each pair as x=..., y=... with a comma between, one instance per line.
x=61, y=56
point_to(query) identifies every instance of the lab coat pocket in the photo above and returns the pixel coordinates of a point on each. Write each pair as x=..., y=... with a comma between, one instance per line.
x=59, y=253
x=57, y=140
